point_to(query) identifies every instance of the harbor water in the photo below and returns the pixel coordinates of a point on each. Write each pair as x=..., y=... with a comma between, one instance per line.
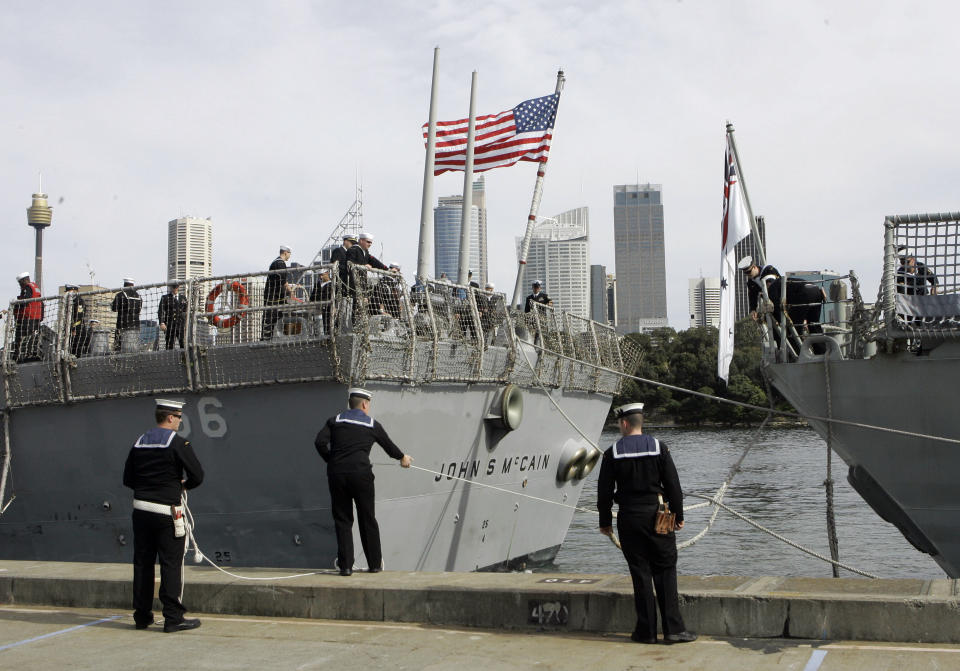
x=780, y=485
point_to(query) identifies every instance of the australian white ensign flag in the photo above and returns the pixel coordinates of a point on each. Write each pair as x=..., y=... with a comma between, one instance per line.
x=735, y=226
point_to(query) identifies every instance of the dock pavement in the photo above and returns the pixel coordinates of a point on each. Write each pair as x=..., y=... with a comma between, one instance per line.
x=461, y=613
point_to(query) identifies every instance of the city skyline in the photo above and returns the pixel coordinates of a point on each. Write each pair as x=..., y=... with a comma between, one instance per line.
x=243, y=128
x=447, y=216
x=638, y=233
x=559, y=257
x=704, y=301
x=189, y=248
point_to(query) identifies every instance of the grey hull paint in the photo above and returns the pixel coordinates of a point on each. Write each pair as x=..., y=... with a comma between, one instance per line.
x=265, y=500
x=909, y=481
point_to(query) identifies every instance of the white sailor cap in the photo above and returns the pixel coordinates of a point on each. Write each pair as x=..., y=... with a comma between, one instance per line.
x=366, y=236
x=22, y=276
x=129, y=280
x=169, y=404
x=395, y=265
x=359, y=391
x=489, y=285
x=745, y=263
x=284, y=248
x=537, y=283
x=628, y=409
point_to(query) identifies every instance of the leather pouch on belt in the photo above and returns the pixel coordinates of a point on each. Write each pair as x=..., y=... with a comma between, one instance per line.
x=665, y=520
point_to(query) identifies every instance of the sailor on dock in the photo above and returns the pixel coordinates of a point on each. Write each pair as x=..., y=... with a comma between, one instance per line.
x=638, y=473
x=344, y=443
x=159, y=467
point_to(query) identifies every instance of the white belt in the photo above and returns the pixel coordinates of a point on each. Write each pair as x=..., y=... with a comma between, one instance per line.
x=150, y=507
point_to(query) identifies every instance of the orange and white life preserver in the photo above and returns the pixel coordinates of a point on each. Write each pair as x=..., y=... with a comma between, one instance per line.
x=223, y=321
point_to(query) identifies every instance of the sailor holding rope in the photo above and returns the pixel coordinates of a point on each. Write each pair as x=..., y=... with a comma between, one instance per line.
x=637, y=472
x=344, y=443
x=159, y=467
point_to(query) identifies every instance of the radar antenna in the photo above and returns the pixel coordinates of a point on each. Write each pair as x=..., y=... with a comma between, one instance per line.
x=350, y=223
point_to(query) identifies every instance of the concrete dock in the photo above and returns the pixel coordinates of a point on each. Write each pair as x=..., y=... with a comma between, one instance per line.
x=919, y=611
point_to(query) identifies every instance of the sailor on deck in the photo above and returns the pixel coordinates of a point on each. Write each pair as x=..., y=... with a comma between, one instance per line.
x=344, y=443
x=637, y=472
x=127, y=303
x=275, y=291
x=159, y=467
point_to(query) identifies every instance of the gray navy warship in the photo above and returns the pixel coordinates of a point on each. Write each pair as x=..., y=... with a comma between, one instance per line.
x=500, y=406
x=893, y=364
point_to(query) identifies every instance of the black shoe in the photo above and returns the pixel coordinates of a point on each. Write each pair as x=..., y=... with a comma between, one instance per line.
x=637, y=638
x=346, y=571
x=144, y=625
x=374, y=570
x=182, y=625
x=682, y=637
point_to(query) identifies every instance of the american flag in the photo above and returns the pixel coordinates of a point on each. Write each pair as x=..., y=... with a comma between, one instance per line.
x=523, y=133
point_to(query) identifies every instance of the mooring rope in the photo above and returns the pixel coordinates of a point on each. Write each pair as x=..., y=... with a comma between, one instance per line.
x=716, y=501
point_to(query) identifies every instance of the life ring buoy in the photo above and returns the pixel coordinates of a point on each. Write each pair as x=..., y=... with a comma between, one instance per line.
x=243, y=300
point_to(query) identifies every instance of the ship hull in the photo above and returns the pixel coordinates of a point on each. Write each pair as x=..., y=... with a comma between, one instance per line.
x=909, y=480
x=265, y=501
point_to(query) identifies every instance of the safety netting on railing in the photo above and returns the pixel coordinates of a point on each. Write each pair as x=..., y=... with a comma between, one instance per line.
x=922, y=273
x=299, y=325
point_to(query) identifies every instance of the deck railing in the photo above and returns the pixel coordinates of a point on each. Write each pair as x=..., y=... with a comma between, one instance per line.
x=237, y=333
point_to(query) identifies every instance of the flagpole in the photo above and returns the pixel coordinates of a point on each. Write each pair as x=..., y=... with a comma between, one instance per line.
x=465, y=218
x=761, y=261
x=534, y=209
x=425, y=248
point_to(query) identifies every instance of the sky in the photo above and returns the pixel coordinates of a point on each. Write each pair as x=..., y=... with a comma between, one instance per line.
x=263, y=116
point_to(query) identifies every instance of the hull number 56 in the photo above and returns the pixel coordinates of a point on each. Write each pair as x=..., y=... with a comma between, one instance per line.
x=211, y=422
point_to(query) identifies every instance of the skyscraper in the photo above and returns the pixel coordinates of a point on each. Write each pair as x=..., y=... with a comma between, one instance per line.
x=559, y=257
x=748, y=247
x=598, y=293
x=189, y=248
x=704, y=301
x=446, y=234
x=639, y=257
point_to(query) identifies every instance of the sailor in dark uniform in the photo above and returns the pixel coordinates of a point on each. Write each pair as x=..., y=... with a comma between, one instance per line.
x=127, y=304
x=804, y=299
x=339, y=255
x=637, y=472
x=537, y=297
x=360, y=256
x=159, y=467
x=79, y=343
x=275, y=291
x=172, y=315
x=344, y=442
x=323, y=293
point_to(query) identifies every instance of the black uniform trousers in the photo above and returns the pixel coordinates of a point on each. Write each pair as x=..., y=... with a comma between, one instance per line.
x=174, y=333
x=152, y=537
x=345, y=490
x=651, y=558
x=804, y=304
x=270, y=318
